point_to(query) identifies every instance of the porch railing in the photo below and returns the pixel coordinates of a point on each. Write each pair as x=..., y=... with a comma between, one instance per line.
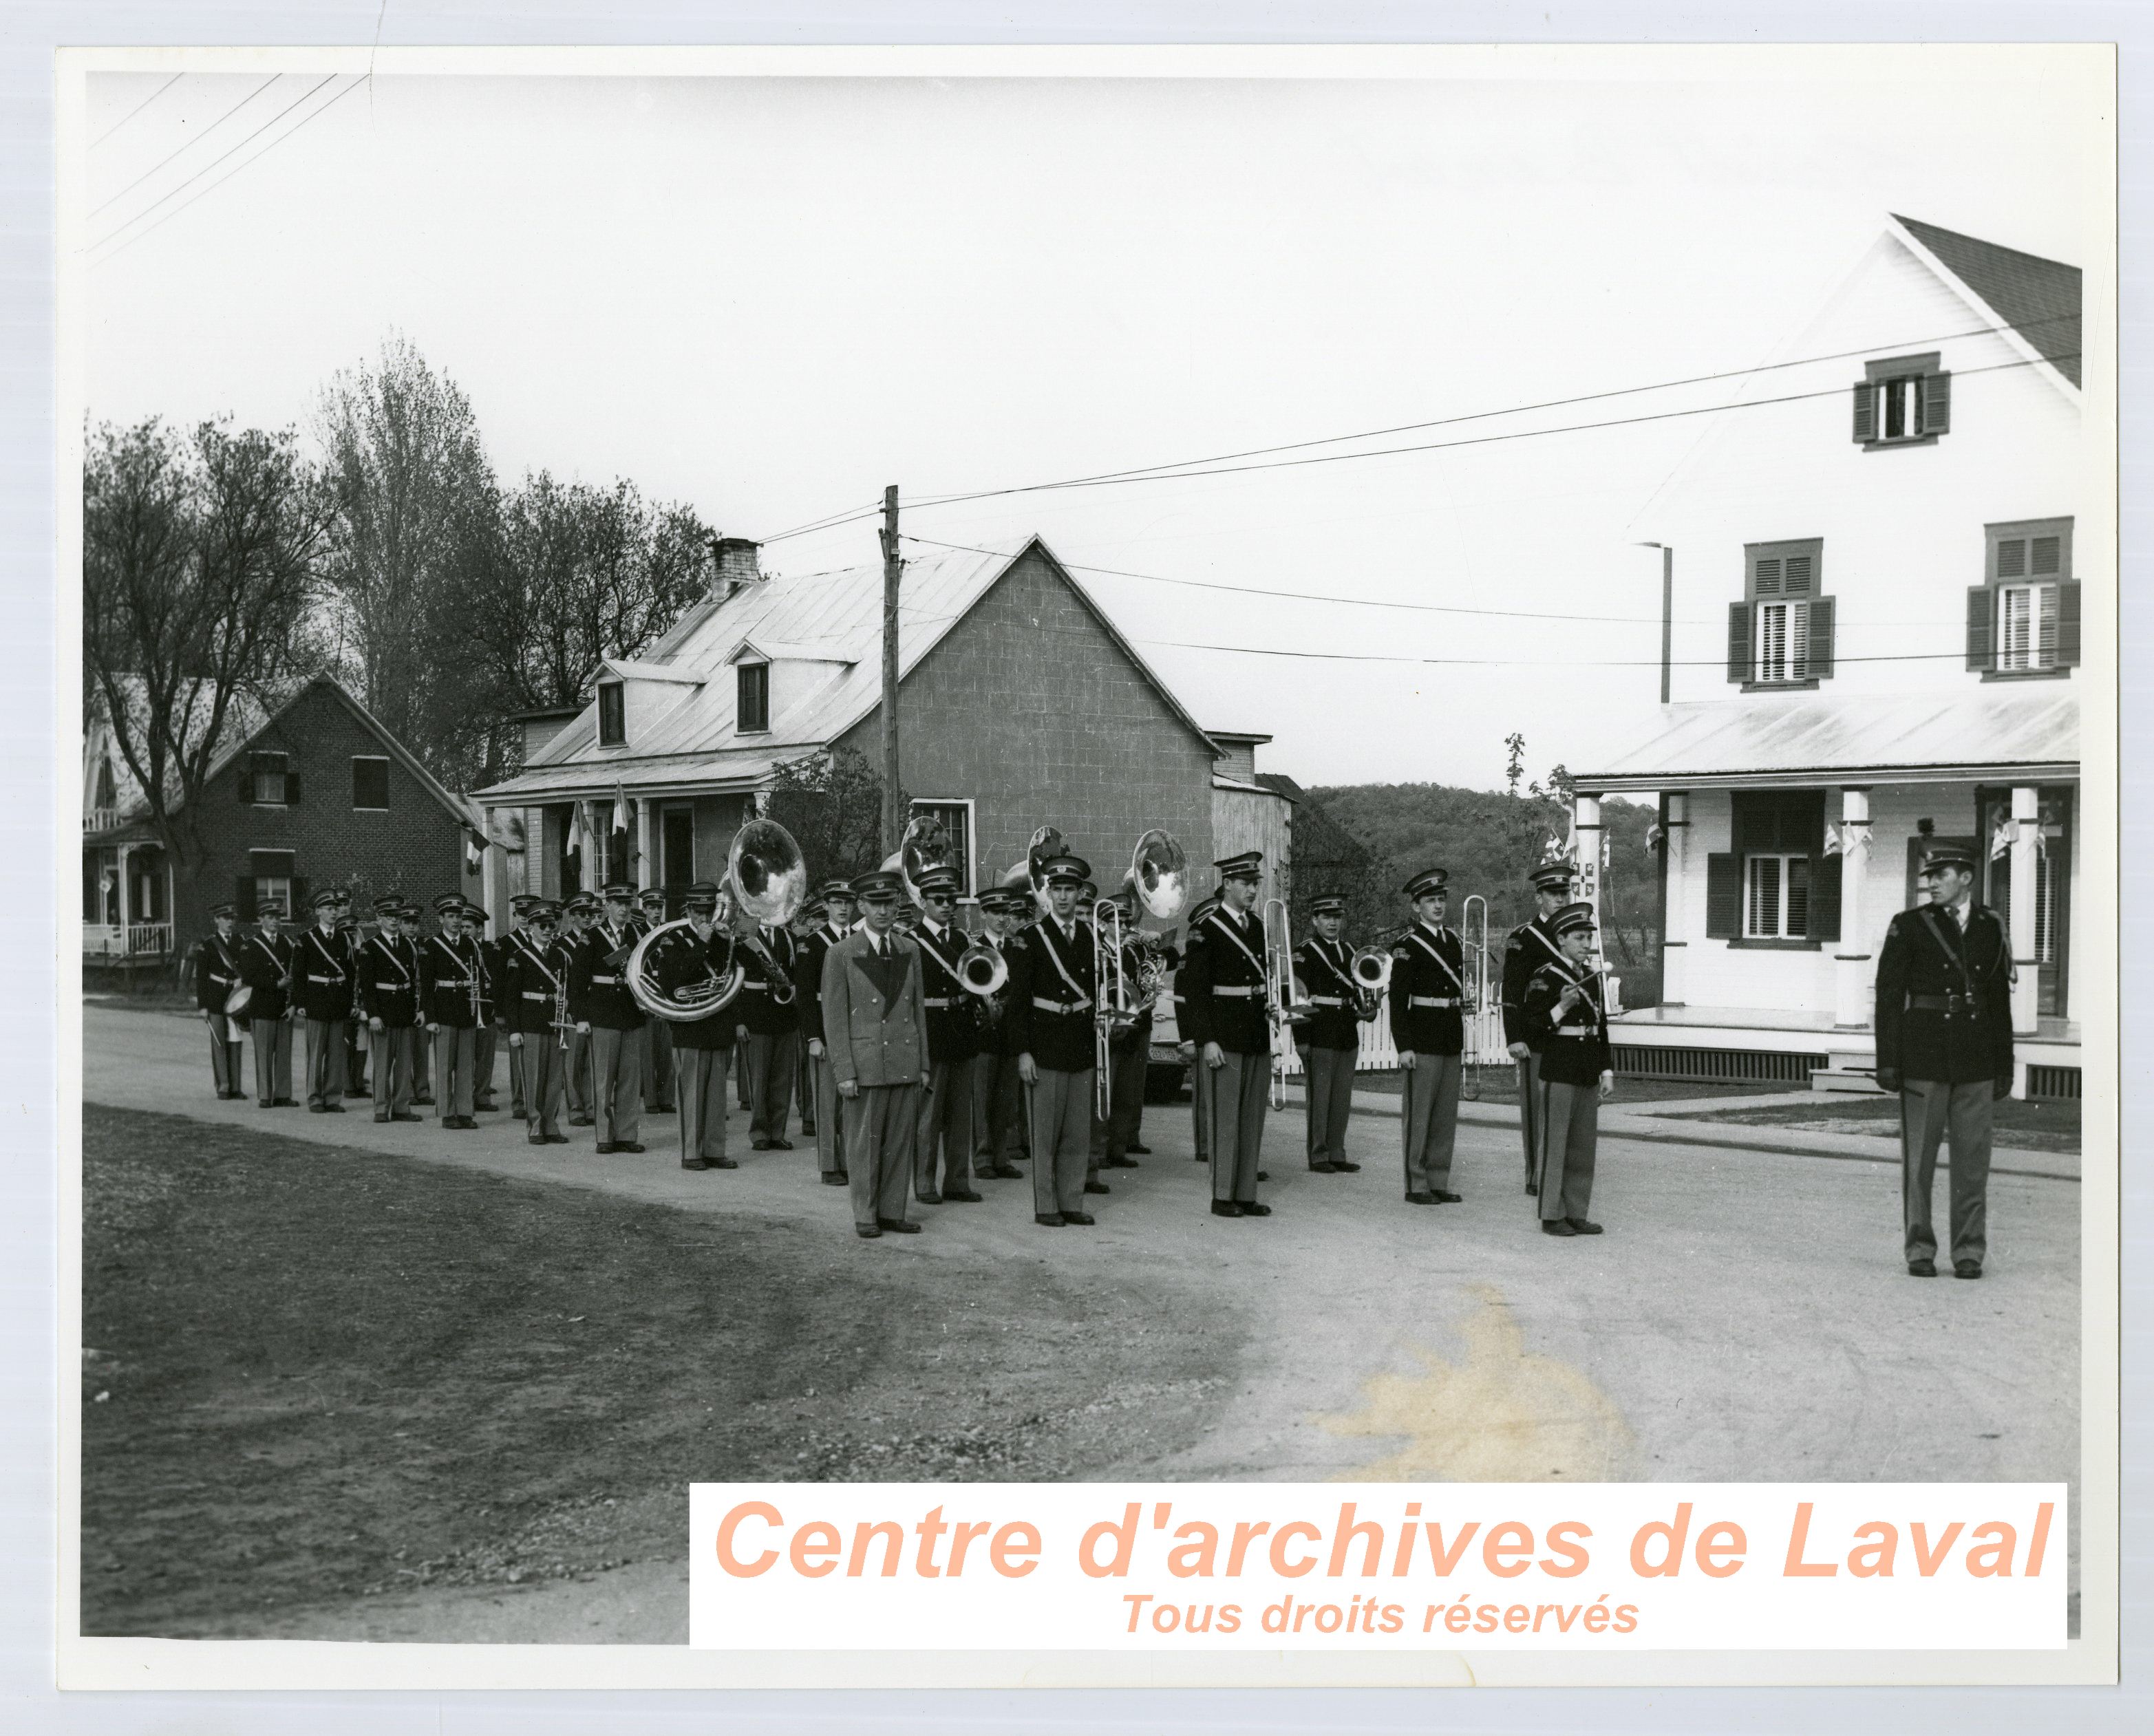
x=134, y=940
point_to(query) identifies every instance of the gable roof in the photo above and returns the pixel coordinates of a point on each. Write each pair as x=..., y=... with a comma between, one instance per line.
x=2039, y=298
x=460, y=808
x=829, y=625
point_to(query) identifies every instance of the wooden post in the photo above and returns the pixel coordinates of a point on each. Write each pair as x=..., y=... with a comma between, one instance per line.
x=1667, y=617
x=891, y=568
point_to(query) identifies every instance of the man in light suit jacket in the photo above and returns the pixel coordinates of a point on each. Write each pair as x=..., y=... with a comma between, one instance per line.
x=874, y=1038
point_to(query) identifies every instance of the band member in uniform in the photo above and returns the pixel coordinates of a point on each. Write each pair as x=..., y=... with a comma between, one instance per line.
x=486, y=1039
x=576, y=916
x=449, y=985
x=1052, y=994
x=410, y=924
x=355, y=1025
x=808, y=963
x=773, y=1032
x=1944, y=1043
x=267, y=961
x=534, y=997
x=997, y=1101
x=806, y=925
x=874, y=1035
x=217, y=974
x=1428, y=1001
x=1186, y=1046
x=1531, y=945
x=600, y=1002
x=1223, y=978
x=1567, y=1023
x=518, y=937
x=387, y=967
x=1129, y=1049
x=690, y=956
x=322, y=989
x=953, y=1046
x=1330, y=1043
x=657, y=1033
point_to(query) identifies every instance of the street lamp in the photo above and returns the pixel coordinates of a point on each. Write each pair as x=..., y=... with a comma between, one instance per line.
x=1667, y=610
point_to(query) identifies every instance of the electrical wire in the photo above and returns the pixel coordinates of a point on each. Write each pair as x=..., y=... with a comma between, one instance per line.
x=185, y=145
x=305, y=121
x=136, y=109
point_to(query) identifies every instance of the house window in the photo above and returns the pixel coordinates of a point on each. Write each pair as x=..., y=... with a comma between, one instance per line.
x=1781, y=634
x=752, y=710
x=369, y=782
x=613, y=721
x=2024, y=618
x=957, y=818
x=1777, y=897
x=269, y=779
x=1904, y=400
x=270, y=878
x=1775, y=886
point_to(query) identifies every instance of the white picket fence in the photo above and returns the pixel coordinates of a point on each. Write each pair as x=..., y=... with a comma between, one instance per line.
x=1485, y=1043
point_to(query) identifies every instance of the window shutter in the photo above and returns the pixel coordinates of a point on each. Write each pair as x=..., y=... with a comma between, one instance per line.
x=298, y=912
x=2045, y=556
x=245, y=781
x=2068, y=624
x=243, y=895
x=1865, y=411
x=2011, y=558
x=291, y=790
x=1724, y=895
x=1798, y=570
x=1937, y=403
x=1979, y=654
x=1818, y=664
x=1739, y=641
x=1824, y=896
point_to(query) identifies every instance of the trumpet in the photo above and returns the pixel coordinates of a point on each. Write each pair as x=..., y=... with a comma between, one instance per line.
x=1370, y=969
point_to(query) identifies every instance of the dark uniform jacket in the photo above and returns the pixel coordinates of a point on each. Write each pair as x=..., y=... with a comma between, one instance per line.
x=266, y=965
x=493, y=959
x=447, y=971
x=529, y=984
x=217, y=970
x=1429, y=992
x=953, y=1028
x=1575, y=1049
x=597, y=985
x=1530, y=946
x=1051, y=996
x=683, y=960
x=807, y=982
x=1220, y=987
x=388, y=968
x=1319, y=967
x=322, y=978
x=1944, y=999
x=756, y=1006
x=993, y=1011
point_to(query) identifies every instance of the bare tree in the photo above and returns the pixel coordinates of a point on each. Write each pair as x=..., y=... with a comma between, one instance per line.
x=199, y=567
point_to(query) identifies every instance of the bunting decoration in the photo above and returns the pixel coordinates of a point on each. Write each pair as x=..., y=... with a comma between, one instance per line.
x=1832, y=839
x=2002, y=835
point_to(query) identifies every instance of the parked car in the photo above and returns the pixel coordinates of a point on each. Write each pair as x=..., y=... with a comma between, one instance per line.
x=1166, y=1073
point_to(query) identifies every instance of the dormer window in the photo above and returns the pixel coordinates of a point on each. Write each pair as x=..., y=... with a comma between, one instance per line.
x=1906, y=400
x=752, y=712
x=613, y=717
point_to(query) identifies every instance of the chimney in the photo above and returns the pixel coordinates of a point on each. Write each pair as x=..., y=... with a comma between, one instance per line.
x=737, y=563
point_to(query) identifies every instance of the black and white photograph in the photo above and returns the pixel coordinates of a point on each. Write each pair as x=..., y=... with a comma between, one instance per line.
x=967, y=768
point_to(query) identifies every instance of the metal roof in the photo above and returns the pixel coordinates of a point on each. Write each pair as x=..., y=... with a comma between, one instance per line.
x=1791, y=739
x=2037, y=298
x=832, y=623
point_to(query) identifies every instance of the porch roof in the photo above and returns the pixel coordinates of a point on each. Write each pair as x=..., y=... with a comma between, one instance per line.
x=1993, y=732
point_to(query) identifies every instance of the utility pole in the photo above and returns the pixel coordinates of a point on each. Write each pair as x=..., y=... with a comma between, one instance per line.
x=1667, y=612
x=892, y=826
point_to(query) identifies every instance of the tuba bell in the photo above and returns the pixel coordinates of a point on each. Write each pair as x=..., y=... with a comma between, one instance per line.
x=697, y=998
x=982, y=968
x=925, y=845
x=766, y=883
x=1159, y=870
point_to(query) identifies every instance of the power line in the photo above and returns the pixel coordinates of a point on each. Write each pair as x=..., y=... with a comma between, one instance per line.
x=185, y=145
x=136, y=109
x=306, y=121
x=830, y=523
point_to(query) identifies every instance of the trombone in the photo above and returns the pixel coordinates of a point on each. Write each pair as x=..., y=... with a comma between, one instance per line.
x=1473, y=942
x=1113, y=1013
x=1279, y=991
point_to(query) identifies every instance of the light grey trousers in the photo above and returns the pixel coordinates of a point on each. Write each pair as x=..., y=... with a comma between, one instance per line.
x=1428, y=1120
x=1931, y=1112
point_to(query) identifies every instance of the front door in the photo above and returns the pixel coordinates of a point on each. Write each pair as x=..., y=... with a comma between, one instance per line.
x=676, y=858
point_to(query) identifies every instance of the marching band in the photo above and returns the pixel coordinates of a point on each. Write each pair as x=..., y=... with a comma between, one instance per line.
x=928, y=1055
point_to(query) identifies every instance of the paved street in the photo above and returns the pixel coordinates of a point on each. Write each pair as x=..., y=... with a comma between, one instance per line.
x=1745, y=1318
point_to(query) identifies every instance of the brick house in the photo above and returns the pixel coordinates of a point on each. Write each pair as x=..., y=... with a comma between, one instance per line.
x=317, y=794
x=1021, y=706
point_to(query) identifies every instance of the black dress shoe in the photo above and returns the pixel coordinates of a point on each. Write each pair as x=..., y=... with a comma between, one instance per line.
x=557, y=1139
x=1007, y=1172
x=832, y=1178
x=405, y=1116
x=1921, y=1269
x=269, y=1103
x=424, y=1102
x=1967, y=1268
x=1138, y=1151
x=1556, y=1227
x=693, y=1163
x=1225, y=1208
x=1082, y=1220
x=1420, y=1199
x=722, y=1163
x=534, y=1139
x=1344, y=1168
x=382, y=1117
x=1118, y=1163
x=1324, y=1168
x=1531, y=1192
x=759, y=1145
x=1250, y=1208
x=1582, y=1227
x=573, y=1120
x=1443, y=1199
x=603, y=1148
x=288, y=1103
x=966, y=1195
x=845, y=1175
x=807, y=1130
x=1095, y=1187
x=1263, y=1175
x=899, y=1226
x=781, y=1145
x=930, y=1199
x=866, y=1231
x=1047, y=1220
x=627, y=1145
x=317, y=1109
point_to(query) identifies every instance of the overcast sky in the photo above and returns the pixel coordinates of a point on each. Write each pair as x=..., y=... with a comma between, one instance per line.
x=770, y=297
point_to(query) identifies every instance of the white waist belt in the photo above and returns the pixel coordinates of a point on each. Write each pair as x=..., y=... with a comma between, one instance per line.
x=536, y=994
x=1242, y=994
x=1325, y=1000
x=604, y=982
x=941, y=1005
x=1432, y=1000
x=1574, y=1030
x=1048, y=1006
x=325, y=979
x=764, y=985
x=391, y=987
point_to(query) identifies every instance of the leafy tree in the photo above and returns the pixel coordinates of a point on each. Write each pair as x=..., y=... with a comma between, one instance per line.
x=832, y=804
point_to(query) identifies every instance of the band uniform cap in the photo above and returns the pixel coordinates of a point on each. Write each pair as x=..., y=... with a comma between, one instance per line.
x=1571, y=918
x=449, y=904
x=474, y=912
x=1327, y=904
x=1248, y=865
x=389, y=907
x=1949, y=855
x=223, y=909
x=524, y=903
x=543, y=910
x=583, y=904
x=837, y=887
x=651, y=895
x=1553, y=877
x=877, y=886
x=812, y=912
x=938, y=880
x=1088, y=893
x=995, y=900
x=1428, y=881
x=618, y=891
x=701, y=894
x=324, y=901
x=409, y=910
x=270, y=907
x=1067, y=870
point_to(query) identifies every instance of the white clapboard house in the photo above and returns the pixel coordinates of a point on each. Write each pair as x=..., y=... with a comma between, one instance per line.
x=1876, y=640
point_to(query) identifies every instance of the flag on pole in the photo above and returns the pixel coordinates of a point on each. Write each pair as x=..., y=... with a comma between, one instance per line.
x=2000, y=838
x=1833, y=841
